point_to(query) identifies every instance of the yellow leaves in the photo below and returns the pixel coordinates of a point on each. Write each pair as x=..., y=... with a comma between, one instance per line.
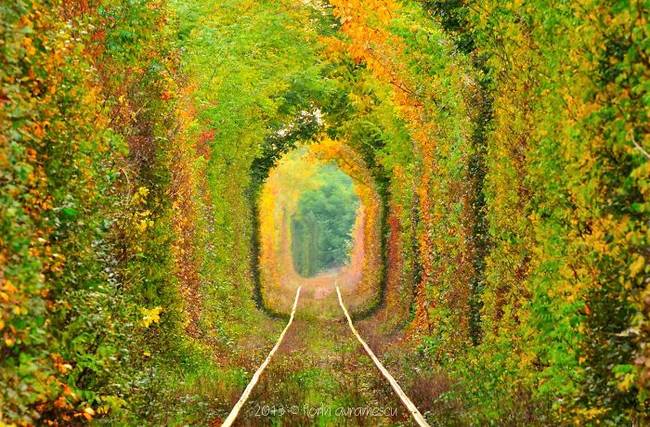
x=355, y=10
x=626, y=383
x=140, y=196
x=641, y=174
x=526, y=359
x=591, y=413
x=143, y=222
x=103, y=410
x=637, y=266
x=18, y=310
x=150, y=316
x=597, y=240
x=110, y=403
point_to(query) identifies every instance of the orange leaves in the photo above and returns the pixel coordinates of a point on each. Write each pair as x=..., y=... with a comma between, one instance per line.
x=365, y=24
x=357, y=12
x=11, y=304
x=88, y=413
x=371, y=41
x=7, y=291
x=63, y=367
x=334, y=48
x=28, y=45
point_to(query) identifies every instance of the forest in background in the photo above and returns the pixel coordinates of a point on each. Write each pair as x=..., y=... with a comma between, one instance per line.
x=322, y=225
x=504, y=144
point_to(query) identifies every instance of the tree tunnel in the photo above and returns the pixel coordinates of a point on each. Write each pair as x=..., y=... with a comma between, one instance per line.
x=319, y=225
x=473, y=175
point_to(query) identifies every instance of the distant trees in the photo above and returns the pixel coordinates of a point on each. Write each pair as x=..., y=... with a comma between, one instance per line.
x=322, y=225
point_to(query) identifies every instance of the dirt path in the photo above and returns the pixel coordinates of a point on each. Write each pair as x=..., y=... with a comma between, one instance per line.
x=322, y=376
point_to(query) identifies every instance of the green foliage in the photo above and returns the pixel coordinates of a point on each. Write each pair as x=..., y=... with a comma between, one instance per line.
x=322, y=225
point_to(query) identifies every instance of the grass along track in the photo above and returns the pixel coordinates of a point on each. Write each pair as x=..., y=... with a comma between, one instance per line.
x=247, y=391
x=320, y=375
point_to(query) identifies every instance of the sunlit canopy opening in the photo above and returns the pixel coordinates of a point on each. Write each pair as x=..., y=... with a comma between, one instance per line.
x=319, y=227
x=322, y=225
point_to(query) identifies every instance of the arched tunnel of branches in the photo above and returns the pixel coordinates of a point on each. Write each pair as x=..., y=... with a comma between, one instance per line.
x=472, y=177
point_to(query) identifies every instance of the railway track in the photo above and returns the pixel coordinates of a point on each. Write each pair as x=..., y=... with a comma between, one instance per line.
x=255, y=414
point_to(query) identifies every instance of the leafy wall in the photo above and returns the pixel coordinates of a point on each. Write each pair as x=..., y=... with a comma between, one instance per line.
x=506, y=141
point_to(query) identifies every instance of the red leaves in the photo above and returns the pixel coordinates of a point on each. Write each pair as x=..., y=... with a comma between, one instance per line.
x=203, y=143
x=99, y=35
